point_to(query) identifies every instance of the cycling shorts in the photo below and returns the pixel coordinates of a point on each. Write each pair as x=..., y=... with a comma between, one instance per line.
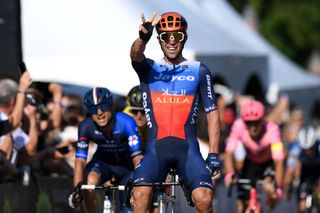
x=176, y=153
x=106, y=171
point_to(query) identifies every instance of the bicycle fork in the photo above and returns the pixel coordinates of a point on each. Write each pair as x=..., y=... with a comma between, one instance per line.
x=164, y=199
x=254, y=205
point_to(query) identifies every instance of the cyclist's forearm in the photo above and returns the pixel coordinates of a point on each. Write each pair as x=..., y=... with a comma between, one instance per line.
x=278, y=164
x=79, y=166
x=137, y=49
x=228, y=162
x=136, y=160
x=213, y=131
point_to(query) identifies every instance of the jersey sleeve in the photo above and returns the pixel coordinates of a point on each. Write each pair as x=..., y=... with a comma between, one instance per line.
x=134, y=140
x=235, y=136
x=206, y=89
x=142, y=68
x=83, y=142
x=277, y=149
x=293, y=155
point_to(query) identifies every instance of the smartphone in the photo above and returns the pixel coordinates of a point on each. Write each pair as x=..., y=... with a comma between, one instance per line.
x=22, y=67
x=63, y=150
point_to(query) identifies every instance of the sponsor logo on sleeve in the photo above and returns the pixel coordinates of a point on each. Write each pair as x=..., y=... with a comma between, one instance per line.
x=146, y=109
x=209, y=90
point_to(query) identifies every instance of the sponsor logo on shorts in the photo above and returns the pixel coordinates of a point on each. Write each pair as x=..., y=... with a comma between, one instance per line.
x=138, y=180
x=204, y=183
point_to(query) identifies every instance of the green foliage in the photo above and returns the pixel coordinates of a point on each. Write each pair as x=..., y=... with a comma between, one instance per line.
x=293, y=26
x=6, y=206
x=43, y=204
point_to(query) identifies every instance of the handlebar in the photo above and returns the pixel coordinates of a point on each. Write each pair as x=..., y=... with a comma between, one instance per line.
x=105, y=188
x=249, y=182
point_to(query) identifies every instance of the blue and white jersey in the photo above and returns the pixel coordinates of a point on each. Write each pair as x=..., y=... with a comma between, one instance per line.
x=117, y=148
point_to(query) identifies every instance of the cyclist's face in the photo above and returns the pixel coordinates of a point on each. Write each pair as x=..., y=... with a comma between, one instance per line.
x=139, y=117
x=255, y=128
x=172, y=44
x=101, y=118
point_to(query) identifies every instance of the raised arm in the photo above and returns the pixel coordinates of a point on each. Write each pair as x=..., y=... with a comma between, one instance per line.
x=145, y=33
x=16, y=115
x=56, y=113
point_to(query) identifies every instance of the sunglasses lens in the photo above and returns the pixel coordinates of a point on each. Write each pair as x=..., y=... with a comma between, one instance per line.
x=171, y=36
x=94, y=109
x=135, y=111
x=252, y=123
x=178, y=37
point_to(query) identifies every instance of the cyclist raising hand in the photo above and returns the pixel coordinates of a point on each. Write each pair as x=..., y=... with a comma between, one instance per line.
x=171, y=89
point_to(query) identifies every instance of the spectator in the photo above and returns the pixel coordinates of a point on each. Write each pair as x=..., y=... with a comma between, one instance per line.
x=12, y=102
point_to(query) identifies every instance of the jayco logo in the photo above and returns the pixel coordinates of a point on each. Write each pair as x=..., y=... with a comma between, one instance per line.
x=146, y=109
x=174, y=77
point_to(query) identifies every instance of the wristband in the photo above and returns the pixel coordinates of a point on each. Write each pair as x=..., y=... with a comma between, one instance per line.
x=20, y=92
x=57, y=103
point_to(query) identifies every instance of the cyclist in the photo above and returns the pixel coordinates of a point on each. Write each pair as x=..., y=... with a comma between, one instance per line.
x=118, y=146
x=304, y=163
x=171, y=89
x=254, y=147
x=135, y=109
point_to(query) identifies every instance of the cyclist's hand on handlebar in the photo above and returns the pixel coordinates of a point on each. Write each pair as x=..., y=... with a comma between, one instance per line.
x=146, y=28
x=75, y=198
x=230, y=178
x=279, y=193
x=214, y=163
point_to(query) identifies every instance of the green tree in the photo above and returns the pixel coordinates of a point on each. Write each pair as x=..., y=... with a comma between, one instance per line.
x=293, y=27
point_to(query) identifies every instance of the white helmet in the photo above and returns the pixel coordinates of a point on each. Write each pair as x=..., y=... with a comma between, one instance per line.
x=307, y=137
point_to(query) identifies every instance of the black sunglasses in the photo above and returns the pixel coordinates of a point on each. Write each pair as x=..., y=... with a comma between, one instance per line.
x=135, y=111
x=253, y=123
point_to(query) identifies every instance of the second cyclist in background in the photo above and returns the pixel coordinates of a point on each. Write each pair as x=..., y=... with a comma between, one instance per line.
x=254, y=146
x=119, y=148
x=303, y=165
x=135, y=109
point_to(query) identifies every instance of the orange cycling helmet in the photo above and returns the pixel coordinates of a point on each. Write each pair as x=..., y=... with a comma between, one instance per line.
x=172, y=21
x=252, y=111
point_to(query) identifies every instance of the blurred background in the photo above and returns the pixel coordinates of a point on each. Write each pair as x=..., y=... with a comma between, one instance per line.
x=267, y=50
x=260, y=48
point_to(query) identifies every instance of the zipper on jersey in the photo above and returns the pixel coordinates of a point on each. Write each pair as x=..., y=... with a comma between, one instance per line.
x=171, y=104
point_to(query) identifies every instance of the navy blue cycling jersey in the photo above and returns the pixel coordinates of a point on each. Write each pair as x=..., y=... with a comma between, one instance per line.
x=171, y=95
x=119, y=149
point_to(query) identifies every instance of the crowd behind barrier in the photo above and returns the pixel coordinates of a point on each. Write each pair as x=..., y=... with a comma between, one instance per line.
x=39, y=143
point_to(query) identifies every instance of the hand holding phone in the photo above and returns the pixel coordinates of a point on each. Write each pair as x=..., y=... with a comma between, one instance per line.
x=22, y=67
